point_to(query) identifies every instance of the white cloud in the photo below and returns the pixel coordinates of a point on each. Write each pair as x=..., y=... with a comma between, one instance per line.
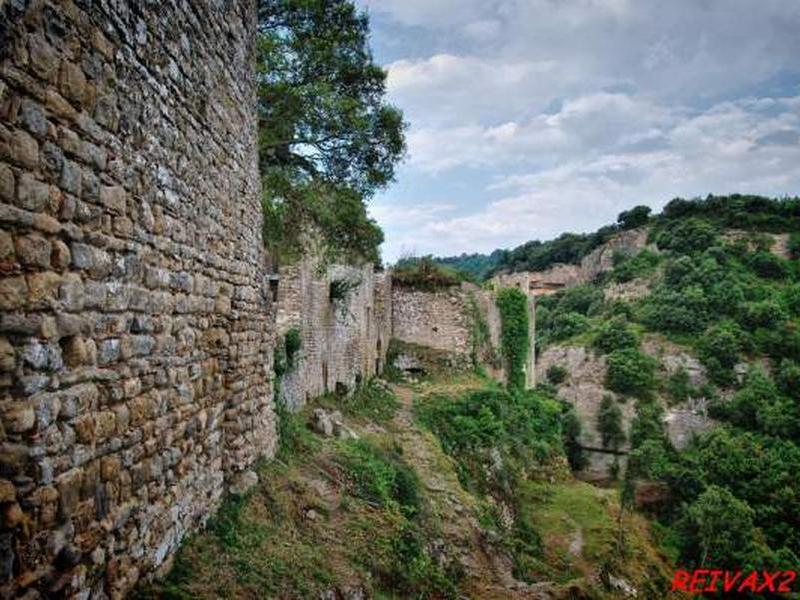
x=570, y=111
x=725, y=149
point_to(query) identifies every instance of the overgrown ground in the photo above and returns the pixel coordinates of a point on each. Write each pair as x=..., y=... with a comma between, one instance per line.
x=393, y=515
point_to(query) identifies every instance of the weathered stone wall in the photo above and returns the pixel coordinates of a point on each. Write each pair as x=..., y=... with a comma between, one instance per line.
x=437, y=319
x=136, y=335
x=344, y=339
x=447, y=320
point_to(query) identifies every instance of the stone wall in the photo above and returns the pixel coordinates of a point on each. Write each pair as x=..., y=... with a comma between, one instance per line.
x=136, y=334
x=446, y=320
x=436, y=319
x=344, y=339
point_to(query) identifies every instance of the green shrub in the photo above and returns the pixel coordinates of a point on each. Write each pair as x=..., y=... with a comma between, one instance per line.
x=570, y=434
x=767, y=265
x=580, y=299
x=424, y=273
x=789, y=378
x=615, y=334
x=609, y=424
x=642, y=264
x=372, y=400
x=567, y=325
x=719, y=349
x=524, y=427
x=630, y=372
x=669, y=310
x=765, y=313
x=687, y=236
x=514, y=334
x=381, y=476
x=556, y=374
x=648, y=424
x=794, y=245
x=678, y=387
x=292, y=342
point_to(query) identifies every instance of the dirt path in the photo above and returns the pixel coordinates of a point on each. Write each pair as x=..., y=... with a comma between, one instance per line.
x=488, y=571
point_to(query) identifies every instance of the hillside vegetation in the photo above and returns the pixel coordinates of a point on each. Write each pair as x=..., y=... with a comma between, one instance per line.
x=743, y=212
x=711, y=285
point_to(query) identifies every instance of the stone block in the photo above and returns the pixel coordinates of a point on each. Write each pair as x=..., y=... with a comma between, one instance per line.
x=60, y=257
x=33, y=251
x=43, y=58
x=13, y=293
x=7, y=183
x=114, y=198
x=72, y=82
x=32, y=194
x=7, y=355
x=24, y=149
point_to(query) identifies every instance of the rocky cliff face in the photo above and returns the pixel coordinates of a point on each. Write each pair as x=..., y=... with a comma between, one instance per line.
x=560, y=276
x=584, y=388
x=136, y=328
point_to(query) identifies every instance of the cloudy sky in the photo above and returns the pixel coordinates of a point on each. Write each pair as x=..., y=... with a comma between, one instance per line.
x=533, y=117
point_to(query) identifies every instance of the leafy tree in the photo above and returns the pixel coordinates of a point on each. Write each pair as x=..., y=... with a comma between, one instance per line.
x=794, y=245
x=567, y=325
x=765, y=313
x=648, y=424
x=767, y=265
x=322, y=112
x=615, y=334
x=789, y=378
x=642, y=264
x=327, y=138
x=570, y=434
x=635, y=217
x=630, y=372
x=609, y=424
x=719, y=349
x=719, y=526
x=687, y=236
x=580, y=299
x=678, y=386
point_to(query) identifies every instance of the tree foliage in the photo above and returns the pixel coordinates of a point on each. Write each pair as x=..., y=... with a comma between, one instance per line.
x=609, y=424
x=630, y=372
x=514, y=334
x=327, y=138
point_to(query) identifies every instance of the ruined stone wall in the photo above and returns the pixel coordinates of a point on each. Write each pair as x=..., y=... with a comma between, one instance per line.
x=446, y=320
x=344, y=339
x=437, y=319
x=135, y=335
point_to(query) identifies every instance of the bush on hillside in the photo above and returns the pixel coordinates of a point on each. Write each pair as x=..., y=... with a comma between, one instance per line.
x=609, y=424
x=630, y=372
x=687, y=236
x=615, y=334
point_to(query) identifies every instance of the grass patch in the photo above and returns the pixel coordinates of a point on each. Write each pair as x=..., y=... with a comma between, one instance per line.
x=372, y=401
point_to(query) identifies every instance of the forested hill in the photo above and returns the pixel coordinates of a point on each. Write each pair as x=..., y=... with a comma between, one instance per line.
x=749, y=213
x=715, y=288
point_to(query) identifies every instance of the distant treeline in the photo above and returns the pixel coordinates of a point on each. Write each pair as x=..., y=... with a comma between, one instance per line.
x=747, y=212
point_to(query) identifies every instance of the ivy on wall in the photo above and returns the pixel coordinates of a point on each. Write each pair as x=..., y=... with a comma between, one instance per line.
x=514, y=338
